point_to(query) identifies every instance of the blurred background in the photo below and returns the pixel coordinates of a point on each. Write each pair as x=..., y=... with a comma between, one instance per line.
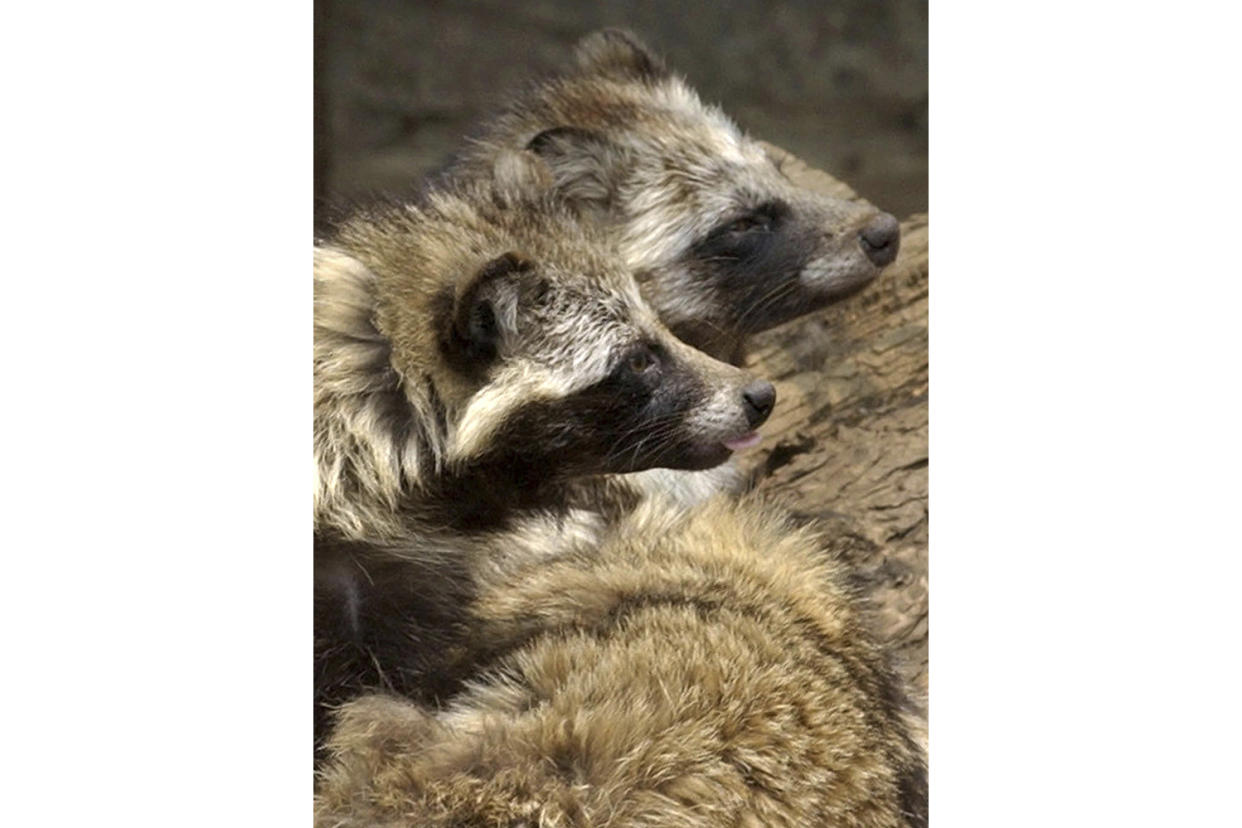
x=843, y=83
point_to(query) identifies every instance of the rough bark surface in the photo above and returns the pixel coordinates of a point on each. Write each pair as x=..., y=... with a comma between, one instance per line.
x=847, y=444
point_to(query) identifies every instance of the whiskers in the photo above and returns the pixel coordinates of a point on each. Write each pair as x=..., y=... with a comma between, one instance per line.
x=782, y=291
x=660, y=434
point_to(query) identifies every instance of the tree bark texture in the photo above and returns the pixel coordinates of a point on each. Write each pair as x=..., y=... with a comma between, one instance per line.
x=847, y=444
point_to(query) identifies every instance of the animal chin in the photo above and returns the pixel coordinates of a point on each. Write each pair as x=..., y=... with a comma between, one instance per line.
x=845, y=285
x=701, y=456
x=822, y=293
x=748, y=440
x=685, y=456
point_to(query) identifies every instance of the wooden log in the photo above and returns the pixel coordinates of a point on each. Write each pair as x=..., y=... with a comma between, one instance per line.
x=847, y=444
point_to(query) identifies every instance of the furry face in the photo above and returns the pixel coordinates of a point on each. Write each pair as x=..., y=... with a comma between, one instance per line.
x=723, y=243
x=484, y=336
x=750, y=250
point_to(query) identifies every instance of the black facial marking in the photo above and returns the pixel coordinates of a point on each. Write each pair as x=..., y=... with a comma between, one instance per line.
x=753, y=261
x=762, y=219
x=745, y=233
x=635, y=418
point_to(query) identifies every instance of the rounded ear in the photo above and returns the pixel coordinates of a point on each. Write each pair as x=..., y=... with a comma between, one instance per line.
x=584, y=164
x=618, y=53
x=520, y=174
x=484, y=312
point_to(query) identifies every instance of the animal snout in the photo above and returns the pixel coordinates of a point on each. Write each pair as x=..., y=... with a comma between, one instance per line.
x=759, y=397
x=880, y=239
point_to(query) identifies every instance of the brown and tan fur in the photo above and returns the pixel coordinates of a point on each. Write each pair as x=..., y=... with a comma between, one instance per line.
x=395, y=409
x=723, y=243
x=479, y=356
x=702, y=669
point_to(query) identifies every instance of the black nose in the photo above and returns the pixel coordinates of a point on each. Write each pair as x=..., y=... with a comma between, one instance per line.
x=880, y=239
x=760, y=396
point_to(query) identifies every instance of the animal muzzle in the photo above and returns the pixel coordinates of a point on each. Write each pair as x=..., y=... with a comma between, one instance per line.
x=880, y=238
x=758, y=399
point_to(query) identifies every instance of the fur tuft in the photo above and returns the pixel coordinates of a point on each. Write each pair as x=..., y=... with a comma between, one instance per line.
x=620, y=52
x=375, y=436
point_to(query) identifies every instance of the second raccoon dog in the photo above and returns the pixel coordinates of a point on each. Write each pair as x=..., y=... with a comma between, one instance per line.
x=723, y=243
x=477, y=355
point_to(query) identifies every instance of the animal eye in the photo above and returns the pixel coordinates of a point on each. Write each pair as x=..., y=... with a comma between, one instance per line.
x=641, y=360
x=755, y=222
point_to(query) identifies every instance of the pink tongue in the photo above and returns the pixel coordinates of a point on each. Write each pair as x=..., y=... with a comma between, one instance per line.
x=744, y=442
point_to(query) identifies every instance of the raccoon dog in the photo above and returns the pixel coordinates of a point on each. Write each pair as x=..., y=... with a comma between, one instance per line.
x=723, y=243
x=477, y=355
x=705, y=669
